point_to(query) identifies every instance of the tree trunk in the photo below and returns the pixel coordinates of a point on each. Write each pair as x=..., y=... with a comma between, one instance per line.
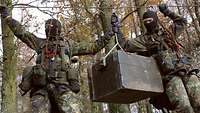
x=149, y=108
x=197, y=10
x=87, y=105
x=195, y=23
x=189, y=47
x=105, y=16
x=84, y=104
x=140, y=5
x=9, y=71
x=134, y=20
x=119, y=108
x=142, y=107
x=96, y=108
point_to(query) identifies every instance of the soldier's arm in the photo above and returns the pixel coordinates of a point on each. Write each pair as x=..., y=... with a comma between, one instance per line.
x=85, y=48
x=31, y=40
x=28, y=38
x=131, y=45
x=179, y=22
x=135, y=45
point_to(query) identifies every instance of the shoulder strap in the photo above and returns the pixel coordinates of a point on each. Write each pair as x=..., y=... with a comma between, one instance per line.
x=69, y=48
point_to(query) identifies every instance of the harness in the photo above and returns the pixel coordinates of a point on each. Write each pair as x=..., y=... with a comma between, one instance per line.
x=50, y=54
x=182, y=65
x=170, y=40
x=55, y=58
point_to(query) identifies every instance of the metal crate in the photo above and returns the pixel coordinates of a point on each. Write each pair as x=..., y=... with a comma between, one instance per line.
x=125, y=79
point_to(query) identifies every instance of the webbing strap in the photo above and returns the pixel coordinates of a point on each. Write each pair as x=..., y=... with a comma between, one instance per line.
x=171, y=41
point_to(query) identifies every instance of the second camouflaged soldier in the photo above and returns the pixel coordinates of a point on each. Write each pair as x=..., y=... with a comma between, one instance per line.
x=53, y=77
x=182, y=87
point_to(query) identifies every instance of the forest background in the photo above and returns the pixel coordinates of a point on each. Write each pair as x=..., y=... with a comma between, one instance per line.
x=84, y=20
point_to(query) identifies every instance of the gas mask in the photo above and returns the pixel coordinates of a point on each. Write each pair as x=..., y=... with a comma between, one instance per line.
x=52, y=29
x=150, y=20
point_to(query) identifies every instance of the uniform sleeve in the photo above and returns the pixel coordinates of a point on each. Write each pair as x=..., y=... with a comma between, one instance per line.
x=135, y=45
x=28, y=38
x=86, y=48
x=179, y=22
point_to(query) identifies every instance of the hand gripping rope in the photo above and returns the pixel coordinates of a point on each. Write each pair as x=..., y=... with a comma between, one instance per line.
x=112, y=49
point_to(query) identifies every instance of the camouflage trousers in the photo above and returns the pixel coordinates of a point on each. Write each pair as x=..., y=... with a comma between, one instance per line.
x=192, y=85
x=184, y=93
x=63, y=103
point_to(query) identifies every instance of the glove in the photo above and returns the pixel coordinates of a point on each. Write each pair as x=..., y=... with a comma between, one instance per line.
x=115, y=23
x=163, y=8
x=4, y=11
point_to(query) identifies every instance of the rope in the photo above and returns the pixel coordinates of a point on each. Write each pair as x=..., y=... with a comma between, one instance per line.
x=117, y=44
x=170, y=40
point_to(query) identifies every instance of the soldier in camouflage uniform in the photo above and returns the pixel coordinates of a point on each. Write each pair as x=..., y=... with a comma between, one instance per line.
x=182, y=87
x=55, y=74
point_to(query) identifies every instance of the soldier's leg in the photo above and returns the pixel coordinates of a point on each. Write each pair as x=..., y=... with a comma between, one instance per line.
x=192, y=85
x=177, y=95
x=74, y=74
x=68, y=103
x=40, y=103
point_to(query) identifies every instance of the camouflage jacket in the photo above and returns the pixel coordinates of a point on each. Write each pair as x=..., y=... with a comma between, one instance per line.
x=35, y=43
x=156, y=45
x=152, y=42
